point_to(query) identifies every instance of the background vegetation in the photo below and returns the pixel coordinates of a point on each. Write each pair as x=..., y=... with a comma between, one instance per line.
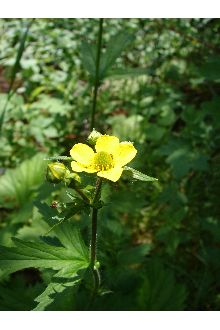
x=158, y=243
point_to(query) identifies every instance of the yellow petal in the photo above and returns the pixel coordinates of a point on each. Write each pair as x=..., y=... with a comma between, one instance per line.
x=76, y=167
x=124, y=153
x=107, y=143
x=82, y=153
x=113, y=174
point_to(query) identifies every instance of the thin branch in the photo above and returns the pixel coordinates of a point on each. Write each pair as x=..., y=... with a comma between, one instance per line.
x=97, y=78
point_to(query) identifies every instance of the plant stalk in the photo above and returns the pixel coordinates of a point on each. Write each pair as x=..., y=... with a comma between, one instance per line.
x=95, y=271
x=97, y=78
x=83, y=196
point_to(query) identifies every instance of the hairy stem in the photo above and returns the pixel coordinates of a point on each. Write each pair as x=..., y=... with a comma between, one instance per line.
x=95, y=271
x=97, y=78
x=81, y=193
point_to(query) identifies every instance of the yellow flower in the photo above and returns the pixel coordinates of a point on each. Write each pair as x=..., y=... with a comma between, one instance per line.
x=107, y=161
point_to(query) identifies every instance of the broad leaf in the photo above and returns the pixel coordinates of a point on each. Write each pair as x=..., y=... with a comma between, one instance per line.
x=211, y=69
x=134, y=255
x=159, y=290
x=54, y=218
x=67, y=259
x=138, y=175
x=57, y=290
x=114, y=49
x=17, y=186
x=88, y=56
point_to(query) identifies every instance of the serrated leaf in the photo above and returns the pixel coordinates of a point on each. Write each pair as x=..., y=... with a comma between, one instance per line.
x=56, y=290
x=70, y=237
x=68, y=259
x=63, y=158
x=88, y=56
x=114, y=49
x=33, y=229
x=54, y=218
x=138, y=175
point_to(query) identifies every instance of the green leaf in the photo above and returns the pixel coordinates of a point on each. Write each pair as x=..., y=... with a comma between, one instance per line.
x=68, y=260
x=160, y=291
x=132, y=128
x=17, y=186
x=63, y=158
x=114, y=49
x=88, y=57
x=211, y=69
x=33, y=229
x=20, y=52
x=138, y=175
x=53, y=106
x=56, y=291
x=18, y=295
x=134, y=255
x=54, y=218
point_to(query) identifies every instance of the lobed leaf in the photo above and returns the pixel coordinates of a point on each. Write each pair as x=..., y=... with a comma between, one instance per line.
x=68, y=259
x=55, y=291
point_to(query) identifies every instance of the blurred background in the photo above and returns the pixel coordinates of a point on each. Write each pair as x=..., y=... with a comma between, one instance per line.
x=158, y=243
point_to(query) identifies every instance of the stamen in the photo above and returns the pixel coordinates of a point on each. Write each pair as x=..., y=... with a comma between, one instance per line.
x=103, y=161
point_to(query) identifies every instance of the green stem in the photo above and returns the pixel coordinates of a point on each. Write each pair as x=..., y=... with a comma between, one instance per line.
x=97, y=80
x=95, y=271
x=84, y=197
x=93, y=238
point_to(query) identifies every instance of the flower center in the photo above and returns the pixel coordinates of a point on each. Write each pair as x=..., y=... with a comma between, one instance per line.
x=103, y=161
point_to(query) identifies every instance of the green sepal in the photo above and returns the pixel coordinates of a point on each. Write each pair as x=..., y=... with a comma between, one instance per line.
x=63, y=158
x=134, y=174
x=56, y=172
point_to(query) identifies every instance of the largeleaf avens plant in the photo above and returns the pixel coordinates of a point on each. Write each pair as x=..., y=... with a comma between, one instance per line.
x=106, y=158
x=62, y=249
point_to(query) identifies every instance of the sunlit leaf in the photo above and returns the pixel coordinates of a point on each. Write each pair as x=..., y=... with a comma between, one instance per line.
x=138, y=175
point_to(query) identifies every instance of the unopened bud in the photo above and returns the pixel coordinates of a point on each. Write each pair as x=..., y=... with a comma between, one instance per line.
x=56, y=172
x=72, y=177
x=93, y=136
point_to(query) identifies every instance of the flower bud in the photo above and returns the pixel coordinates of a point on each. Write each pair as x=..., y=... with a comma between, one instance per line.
x=72, y=177
x=56, y=172
x=93, y=136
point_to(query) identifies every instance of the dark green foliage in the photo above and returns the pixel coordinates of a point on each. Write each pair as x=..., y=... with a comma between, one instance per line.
x=70, y=257
x=159, y=289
